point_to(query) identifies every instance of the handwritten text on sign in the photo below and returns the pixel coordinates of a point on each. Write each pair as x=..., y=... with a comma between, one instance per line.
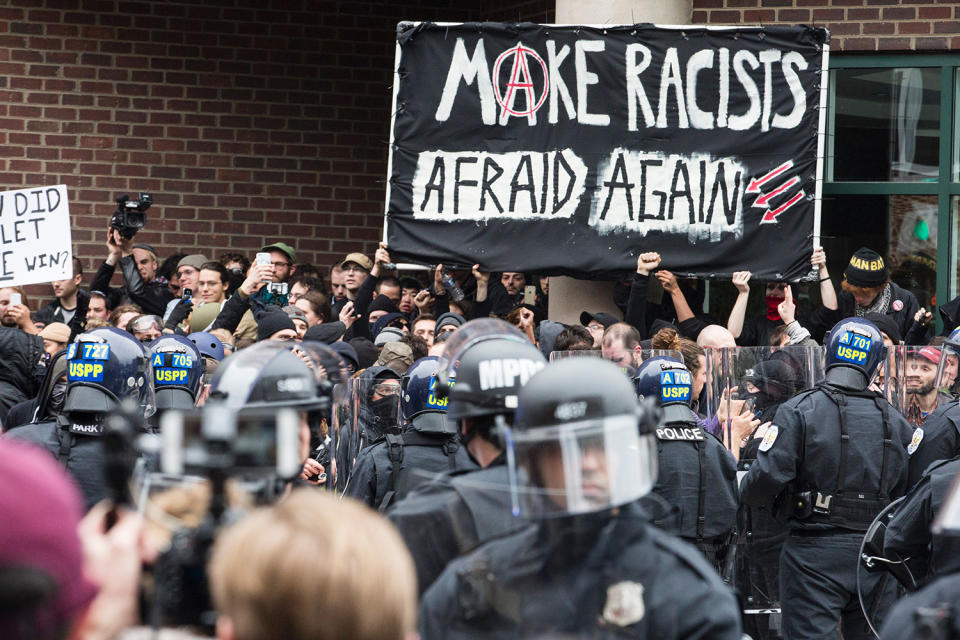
x=35, y=241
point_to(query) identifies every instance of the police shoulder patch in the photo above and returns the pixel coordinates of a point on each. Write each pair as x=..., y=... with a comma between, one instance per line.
x=624, y=605
x=915, y=440
x=769, y=437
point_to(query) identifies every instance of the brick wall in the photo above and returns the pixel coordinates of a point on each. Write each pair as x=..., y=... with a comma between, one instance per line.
x=248, y=120
x=855, y=25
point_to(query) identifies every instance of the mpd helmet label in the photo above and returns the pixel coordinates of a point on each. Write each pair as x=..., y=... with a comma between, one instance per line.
x=675, y=386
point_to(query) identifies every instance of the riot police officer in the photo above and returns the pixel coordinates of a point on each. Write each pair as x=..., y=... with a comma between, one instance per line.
x=490, y=361
x=106, y=368
x=427, y=444
x=909, y=536
x=834, y=457
x=178, y=370
x=697, y=474
x=591, y=564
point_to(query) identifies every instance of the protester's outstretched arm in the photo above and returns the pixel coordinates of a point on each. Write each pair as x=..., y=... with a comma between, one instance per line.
x=636, y=314
x=670, y=285
x=828, y=295
x=741, y=280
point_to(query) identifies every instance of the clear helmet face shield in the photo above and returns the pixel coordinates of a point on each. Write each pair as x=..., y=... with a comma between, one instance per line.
x=579, y=467
x=916, y=379
x=948, y=369
x=468, y=335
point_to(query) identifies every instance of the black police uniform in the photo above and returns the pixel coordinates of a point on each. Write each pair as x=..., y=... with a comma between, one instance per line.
x=940, y=441
x=698, y=476
x=454, y=514
x=397, y=463
x=909, y=534
x=848, y=450
x=932, y=613
x=605, y=575
x=78, y=446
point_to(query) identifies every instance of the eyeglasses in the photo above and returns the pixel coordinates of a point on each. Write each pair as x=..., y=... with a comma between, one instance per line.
x=387, y=389
x=281, y=264
x=354, y=267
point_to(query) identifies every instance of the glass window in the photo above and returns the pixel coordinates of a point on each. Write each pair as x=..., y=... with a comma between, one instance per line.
x=901, y=227
x=885, y=124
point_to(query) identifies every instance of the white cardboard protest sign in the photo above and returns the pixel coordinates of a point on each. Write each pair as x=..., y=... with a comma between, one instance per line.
x=35, y=243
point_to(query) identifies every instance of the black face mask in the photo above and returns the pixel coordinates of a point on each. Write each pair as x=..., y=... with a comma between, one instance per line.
x=57, y=396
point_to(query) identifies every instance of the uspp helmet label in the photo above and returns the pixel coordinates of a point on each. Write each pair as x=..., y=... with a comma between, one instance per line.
x=769, y=437
x=432, y=400
x=83, y=371
x=506, y=373
x=167, y=375
x=89, y=351
x=915, y=440
x=675, y=386
x=853, y=348
x=172, y=359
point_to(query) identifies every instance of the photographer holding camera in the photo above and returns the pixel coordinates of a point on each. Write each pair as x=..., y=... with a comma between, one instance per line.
x=138, y=264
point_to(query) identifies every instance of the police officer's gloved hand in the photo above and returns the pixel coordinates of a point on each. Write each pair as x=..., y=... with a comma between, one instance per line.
x=179, y=313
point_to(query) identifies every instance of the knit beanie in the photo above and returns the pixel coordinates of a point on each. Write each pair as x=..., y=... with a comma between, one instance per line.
x=271, y=322
x=866, y=269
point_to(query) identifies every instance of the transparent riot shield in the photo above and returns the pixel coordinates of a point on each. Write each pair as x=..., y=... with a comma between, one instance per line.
x=948, y=370
x=326, y=423
x=918, y=387
x=880, y=580
x=373, y=411
x=745, y=386
x=890, y=379
x=578, y=353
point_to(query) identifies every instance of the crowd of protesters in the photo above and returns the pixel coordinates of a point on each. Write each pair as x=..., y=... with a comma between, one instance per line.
x=373, y=316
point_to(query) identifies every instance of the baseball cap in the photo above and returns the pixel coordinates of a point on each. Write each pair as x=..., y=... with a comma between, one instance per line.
x=388, y=334
x=284, y=248
x=603, y=318
x=928, y=353
x=358, y=258
x=194, y=260
x=295, y=313
x=397, y=356
x=56, y=331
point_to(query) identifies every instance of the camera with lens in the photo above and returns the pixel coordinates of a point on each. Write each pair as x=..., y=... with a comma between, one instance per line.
x=276, y=293
x=256, y=450
x=131, y=215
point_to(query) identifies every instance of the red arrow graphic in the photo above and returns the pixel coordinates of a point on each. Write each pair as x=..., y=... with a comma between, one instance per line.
x=765, y=198
x=756, y=183
x=771, y=216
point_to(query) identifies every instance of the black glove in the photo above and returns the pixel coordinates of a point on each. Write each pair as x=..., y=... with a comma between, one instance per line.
x=179, y=313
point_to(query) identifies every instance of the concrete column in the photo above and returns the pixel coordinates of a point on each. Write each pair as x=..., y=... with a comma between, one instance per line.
x=568, y=297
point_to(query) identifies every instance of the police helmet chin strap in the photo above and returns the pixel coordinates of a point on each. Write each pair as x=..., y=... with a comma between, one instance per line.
x=503, y=437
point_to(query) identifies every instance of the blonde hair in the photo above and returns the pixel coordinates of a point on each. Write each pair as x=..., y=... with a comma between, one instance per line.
x=307, y=569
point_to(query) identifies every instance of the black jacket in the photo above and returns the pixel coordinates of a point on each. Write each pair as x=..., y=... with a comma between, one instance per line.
x=452, y=515
x=53, y=313
x=20, y=369
x=909, y=532
x=903, y=306
x=152, y=297
x=592, y=576
x=804, y=454
x=940, y=440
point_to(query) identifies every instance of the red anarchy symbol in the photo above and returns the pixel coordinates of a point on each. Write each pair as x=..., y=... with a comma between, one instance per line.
x=519, y=54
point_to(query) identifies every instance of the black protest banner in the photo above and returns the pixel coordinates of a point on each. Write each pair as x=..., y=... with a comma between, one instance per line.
x=35, y=236
x=571, y=150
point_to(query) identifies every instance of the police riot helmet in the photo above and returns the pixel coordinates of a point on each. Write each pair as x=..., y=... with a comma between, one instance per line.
x=419, y=402
x=855, y=350
x=107, y=367
x=266, y=375
x=669, y=383
x=177, y=371
x=208, y=344
x=579, y=442
x=490, y=360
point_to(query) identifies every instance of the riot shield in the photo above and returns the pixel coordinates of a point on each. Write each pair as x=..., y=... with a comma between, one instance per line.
x=578, y=353
x=948, y=370
x=374, y=404
x=327, y=423
x=745, y=387
x=891, y=380
x=880, y=580
x=919, y=372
